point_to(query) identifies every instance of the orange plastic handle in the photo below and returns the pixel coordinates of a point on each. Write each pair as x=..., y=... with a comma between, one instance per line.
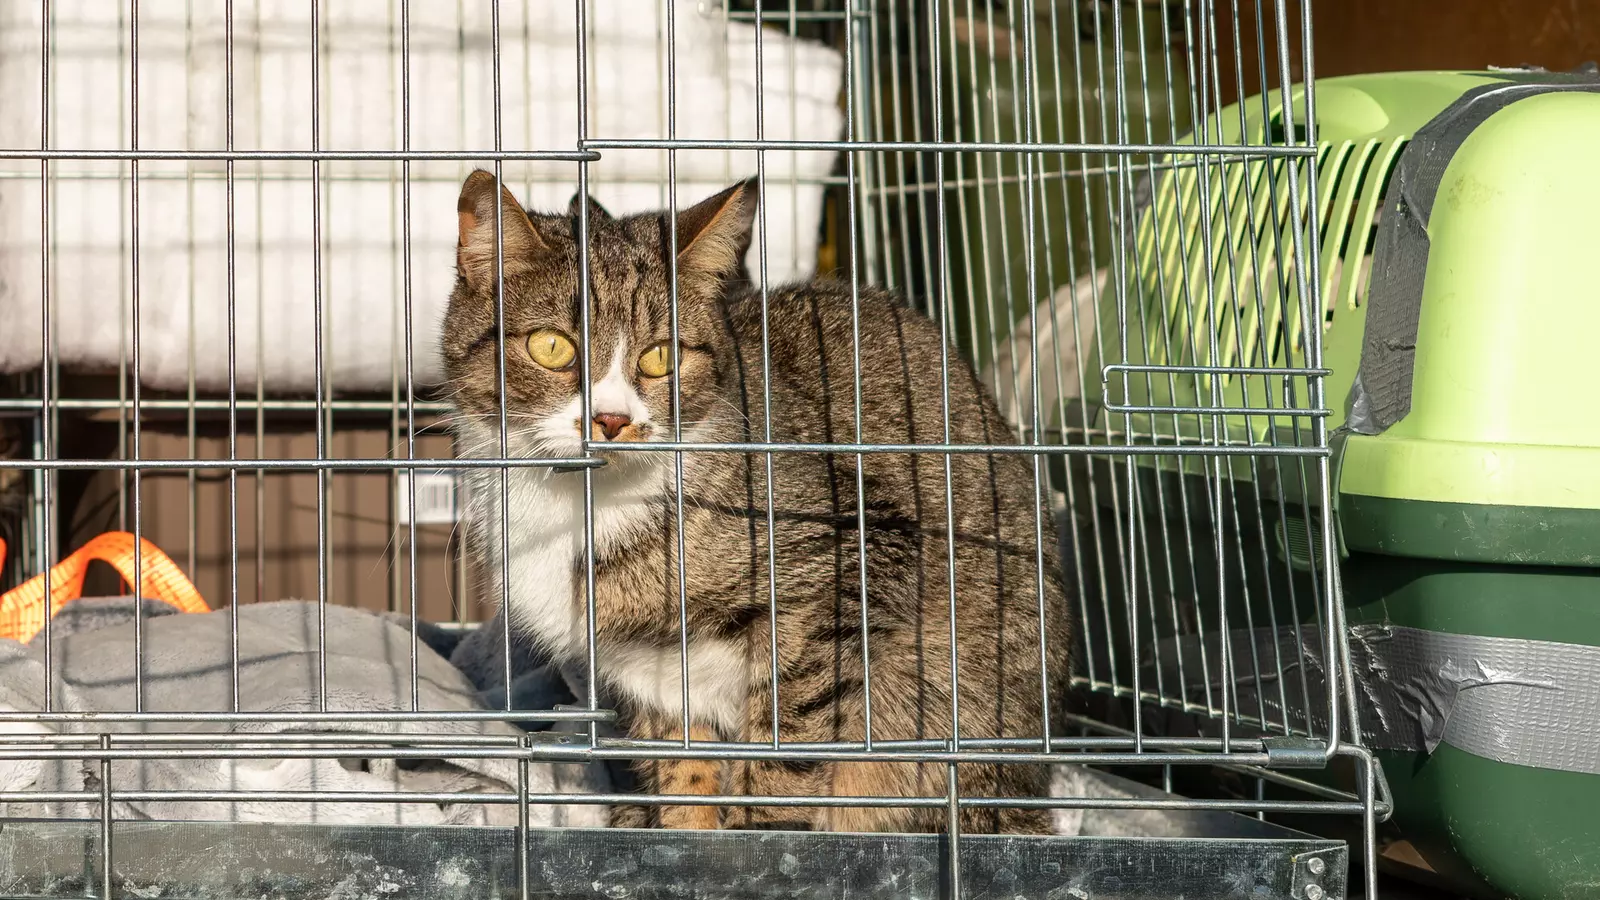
x=22, y=609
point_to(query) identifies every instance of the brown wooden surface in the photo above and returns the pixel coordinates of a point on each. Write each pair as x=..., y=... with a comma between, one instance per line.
x=1356, y=36
x=1383, y=35
x=367, y=564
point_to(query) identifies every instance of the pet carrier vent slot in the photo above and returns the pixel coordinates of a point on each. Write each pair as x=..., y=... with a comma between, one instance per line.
x=1240, y=304
x=1277, y=134
x=1351, y=226
x=1300, y=542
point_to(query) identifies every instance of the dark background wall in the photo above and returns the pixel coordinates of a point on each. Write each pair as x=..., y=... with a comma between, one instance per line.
x=1375, y=35
x=1353, y=36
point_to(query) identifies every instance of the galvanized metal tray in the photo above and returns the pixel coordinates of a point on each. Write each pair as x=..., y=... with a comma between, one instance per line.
x=1154, y=854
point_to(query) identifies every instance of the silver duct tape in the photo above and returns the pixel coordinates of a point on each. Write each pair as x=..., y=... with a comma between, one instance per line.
x=1524, y=702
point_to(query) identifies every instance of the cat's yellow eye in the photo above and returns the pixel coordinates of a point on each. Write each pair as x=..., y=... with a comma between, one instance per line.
x=656, y=361
x=551, y=349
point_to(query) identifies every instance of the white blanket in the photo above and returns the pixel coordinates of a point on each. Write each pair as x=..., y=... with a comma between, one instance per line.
x=182, y=233
x=187, y=668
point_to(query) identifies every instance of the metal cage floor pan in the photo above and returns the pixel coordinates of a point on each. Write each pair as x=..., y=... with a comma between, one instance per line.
x=1154, y=854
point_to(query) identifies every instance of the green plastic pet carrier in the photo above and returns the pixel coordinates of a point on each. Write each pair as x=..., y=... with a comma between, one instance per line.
x=1458, y=266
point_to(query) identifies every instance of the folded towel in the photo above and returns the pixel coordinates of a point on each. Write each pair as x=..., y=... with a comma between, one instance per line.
x=187, y=668
x=182, y=217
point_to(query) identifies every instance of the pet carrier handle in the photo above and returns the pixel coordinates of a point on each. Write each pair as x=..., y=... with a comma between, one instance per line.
x=22, y=609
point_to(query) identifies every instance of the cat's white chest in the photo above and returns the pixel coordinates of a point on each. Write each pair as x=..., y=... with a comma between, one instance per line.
x=545, y=590
x=543, y=578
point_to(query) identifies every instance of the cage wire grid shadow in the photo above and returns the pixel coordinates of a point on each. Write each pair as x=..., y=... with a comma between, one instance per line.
x=227, y=258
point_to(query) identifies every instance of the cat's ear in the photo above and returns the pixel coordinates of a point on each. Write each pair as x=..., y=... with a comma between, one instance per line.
x=714, y=235
x=475, y=238
x=596, y=211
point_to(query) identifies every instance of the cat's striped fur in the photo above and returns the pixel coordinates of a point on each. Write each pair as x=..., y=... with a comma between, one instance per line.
x=1003, y=614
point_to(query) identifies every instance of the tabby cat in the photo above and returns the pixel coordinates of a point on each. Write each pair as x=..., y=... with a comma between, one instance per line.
x=826, y=654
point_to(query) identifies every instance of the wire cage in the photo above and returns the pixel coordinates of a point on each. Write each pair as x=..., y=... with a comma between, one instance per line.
x=225, y=259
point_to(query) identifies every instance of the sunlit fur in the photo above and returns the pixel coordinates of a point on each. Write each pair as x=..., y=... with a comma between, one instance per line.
x=725, y=601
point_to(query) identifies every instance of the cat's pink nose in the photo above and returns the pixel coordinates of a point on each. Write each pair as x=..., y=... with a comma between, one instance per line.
x=612, y=424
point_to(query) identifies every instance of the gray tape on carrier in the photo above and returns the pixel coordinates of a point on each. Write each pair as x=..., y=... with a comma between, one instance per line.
x=1381, y=393
x=1532, y=703
x=1525, y=702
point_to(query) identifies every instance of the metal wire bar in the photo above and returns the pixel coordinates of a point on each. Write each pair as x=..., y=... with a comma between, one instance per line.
x=851, y=216
x=681, y=560
x=1256, y=473
x=952, y=826
x=379, y=464
x=261, y=384
x=233, y=371
x=1207, y=450
x=105, y=819
x=233, y=405
x=1236, y=311
x=542, y=798
x=305, y=465
x=319, y=717
x=1269, y=775
x=763, y=236
x=341, y=739
x=673, y=750
x=136, y=378
x=1115, y=149
x=523, y=799
x=1197, y=105
x=318, y=358
x=946, y=315
x=1309, y=285
x=46, y=431
x=1039, y=495
x=408, y=339
x=339, y=742
x=502, y=399
x=314, y=155
x=1215, y=479
x=88, y=174
x=585, y=387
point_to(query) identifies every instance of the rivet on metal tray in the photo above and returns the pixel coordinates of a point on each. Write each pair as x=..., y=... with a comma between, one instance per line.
x=1313, y=892
x=1316, y=865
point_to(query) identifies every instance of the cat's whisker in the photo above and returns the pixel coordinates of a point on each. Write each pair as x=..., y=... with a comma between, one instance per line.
x=492, y=442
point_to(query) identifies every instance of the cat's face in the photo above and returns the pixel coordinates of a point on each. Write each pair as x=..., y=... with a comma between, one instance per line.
x=629, y=359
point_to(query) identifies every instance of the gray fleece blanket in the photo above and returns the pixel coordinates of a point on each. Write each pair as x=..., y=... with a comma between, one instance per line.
x=187, y=668
x=368, y=669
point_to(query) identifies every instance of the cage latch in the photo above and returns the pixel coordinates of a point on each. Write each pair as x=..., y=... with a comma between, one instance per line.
x=1295, y=753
